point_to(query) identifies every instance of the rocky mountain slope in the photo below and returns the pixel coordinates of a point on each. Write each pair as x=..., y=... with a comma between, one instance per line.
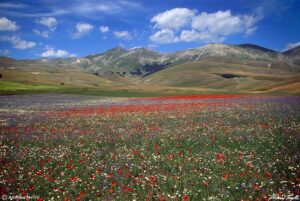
x=144, y=61
x=293, y=55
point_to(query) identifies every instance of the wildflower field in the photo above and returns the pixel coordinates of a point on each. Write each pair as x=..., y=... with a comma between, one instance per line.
x=199, y=147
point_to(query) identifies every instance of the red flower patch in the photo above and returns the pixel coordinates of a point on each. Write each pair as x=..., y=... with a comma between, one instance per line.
x=220, y=158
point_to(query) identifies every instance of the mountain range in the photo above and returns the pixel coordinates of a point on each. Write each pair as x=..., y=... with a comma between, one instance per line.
x=142, y=61
x=213, y=67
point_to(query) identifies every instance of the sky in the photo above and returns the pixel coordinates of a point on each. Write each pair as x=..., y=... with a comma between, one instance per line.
x=31, y=29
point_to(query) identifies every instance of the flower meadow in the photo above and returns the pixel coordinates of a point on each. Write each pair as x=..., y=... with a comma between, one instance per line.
x=200, y=147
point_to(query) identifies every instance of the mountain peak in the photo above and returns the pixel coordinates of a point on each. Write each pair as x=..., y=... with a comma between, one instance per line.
x=256, y=47
x=142, y=50
x=214, y=45
x=117, y=49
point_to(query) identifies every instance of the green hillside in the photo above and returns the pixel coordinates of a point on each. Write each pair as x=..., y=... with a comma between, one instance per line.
x=212, y=76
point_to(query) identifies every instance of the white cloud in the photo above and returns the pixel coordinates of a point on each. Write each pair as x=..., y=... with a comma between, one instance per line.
x=173, y=19
x=103, y=29
x=93, y=9
x=189, y=35
x=164, y=36
x=193, y=35
x=49, y=22
x=206, y=27
x=4, y=52
x=18, y=43
x=291, y=46
x=50, y=52
x=123, y=35
x=8, y=25
x=217, y=23
x=44, y=34
x=82, y=29
x=12, y=5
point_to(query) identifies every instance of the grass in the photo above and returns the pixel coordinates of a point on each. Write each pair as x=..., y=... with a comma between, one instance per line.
x=208, y=75
x=8, y=88
x=187, y=78
x=11, y=88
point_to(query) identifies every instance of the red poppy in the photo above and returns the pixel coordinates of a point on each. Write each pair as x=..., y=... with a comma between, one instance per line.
x=225, y=176
x=127, y=188
x=73, y=179
x=268, y=174
x=49, y=178
x=114, y=183
x=162, y=197
x=31, y=187
x=264, y=197
x=23, y=193
x=40, y=199
x=156, y=147
x=82, y=193
x=220, y=158
x=186, y=198
x=39, y=172
x=152, y=178
x=256, y=187
x=92, y=176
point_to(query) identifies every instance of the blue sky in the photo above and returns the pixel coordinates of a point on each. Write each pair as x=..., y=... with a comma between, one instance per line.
x=55, y=28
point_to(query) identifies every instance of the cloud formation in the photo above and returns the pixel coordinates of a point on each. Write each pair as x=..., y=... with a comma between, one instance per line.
x=12, y=5
x=82, y=29
x=123, y=35
x=44, y=34
x=291, y=46
x=50, y=52
x=88, y=8
x=103, y=29
x=164, y=36
x=49, y=22
x=185, y=25
x=18, y=43
x=8, y=25
x=173, y=19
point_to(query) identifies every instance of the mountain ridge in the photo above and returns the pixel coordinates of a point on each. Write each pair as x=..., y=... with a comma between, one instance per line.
x=141, y=61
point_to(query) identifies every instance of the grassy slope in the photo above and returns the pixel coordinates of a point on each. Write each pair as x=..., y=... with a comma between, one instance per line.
x=206, y=75
x=8, y=88
x=189, y=78
x=38, y=79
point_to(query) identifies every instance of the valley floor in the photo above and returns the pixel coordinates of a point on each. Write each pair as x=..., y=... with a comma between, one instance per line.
x=192, y=147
